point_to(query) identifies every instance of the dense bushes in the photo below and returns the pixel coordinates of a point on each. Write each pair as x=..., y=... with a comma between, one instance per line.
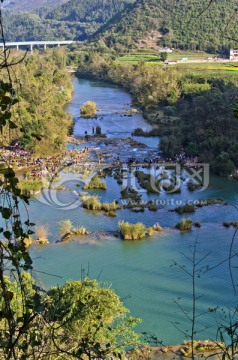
x=184, y=225
x=45, y=88
x=89, y=109
x=93, y=203
x=132, y=231
x=95, y=183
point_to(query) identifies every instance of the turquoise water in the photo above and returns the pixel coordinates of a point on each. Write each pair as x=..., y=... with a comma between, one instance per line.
x=142, y=272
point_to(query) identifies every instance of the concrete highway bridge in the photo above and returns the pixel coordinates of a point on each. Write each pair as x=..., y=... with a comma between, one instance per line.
x=30, y=44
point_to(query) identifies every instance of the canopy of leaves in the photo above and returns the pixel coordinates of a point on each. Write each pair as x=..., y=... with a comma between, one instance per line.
x=43, y=125
x=72, y=20
x=82, y=319
x=182, y=24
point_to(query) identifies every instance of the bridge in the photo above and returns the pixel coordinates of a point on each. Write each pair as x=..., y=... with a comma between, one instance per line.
x=31, y=44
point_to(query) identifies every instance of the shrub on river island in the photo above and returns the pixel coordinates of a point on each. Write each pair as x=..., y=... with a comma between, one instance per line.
x=66, y=230
x=188, y=208
x=132, y=231
x=231, y=223
x=89, y=109
x=93, y=203
x=42, y=233
x=129, y=193
x=184, y=225
x=157, y=227
x=111, y=214
x=80, y=231
x=95, y=183
x=65, y=227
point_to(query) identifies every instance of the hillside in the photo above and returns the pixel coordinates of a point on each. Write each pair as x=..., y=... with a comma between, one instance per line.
x=125, y=24
x=74, y=20
x=179, y=24
x=28, y=5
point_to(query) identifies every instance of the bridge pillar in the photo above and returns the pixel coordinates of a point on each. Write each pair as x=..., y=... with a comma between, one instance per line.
x=17, y=47
x=31, y=48
x=44, y=46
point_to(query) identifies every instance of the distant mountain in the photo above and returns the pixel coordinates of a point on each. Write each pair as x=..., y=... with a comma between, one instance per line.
x=99, y=11
x=127, y=24
x=73, y=20
x=178, y=23
x=28, y=5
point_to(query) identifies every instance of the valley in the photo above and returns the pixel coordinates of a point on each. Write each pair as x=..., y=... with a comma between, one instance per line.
x=119, y=180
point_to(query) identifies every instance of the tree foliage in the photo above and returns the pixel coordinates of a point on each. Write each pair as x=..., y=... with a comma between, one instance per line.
x=177, y=23
x=73, y=20
x=42, y=123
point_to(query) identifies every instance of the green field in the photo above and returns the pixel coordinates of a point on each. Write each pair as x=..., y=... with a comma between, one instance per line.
x=154, y=56
x=151, y=57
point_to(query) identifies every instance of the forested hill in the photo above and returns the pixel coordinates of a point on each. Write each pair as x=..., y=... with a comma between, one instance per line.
x=99, y=11
x=28, y=5
x=123, y=24
x=180, y=24
x=74, y=20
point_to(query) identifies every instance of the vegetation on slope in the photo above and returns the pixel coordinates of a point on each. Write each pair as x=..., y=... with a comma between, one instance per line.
x=83, y=319
x=43, y=125
x=120, y=25
x=73, y=20
x=30, y=4
x=177, y=25
x=197, y=115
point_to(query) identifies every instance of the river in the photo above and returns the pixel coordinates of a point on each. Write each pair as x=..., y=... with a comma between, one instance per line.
x=144, y=273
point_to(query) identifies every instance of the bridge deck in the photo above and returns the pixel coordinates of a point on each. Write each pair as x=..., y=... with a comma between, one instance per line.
x=30, y=43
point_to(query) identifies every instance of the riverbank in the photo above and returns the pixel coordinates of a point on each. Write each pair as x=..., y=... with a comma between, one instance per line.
x=142, y=271
x=177, y=103
x=202, y=349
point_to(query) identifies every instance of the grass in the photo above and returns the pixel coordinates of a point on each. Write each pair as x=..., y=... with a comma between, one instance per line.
x=80, y=231
x=66, y=230
x=93, y=203
x=95, y=183
x=187, y=208
x=65, y=227
x=157, y=227
x=132, y=231
x=184, y=225
x=30, y=186
x=152, y=57
x=89, y=109
x=146, y=181
x=41, y=232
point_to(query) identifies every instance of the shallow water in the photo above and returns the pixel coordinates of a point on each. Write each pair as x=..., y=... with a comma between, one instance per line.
x=142, y=271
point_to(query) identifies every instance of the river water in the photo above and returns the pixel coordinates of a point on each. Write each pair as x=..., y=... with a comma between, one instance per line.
x=144, y=273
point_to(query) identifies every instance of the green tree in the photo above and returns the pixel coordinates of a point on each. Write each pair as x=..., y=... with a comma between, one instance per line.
x=163, y=56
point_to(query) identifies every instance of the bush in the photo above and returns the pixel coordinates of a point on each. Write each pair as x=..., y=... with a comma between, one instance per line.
x=92, y=203
x=41, y=232
x=110, y=206
x=111, y=214
x=157, y=227
x=188, y=208
x=80, y=231
x=152, y=207
x=184, y=225
x=197, y=224
x=30, y=186
x=65, y=227
x=132, y=231
x=88, y=109
x=95, y=183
